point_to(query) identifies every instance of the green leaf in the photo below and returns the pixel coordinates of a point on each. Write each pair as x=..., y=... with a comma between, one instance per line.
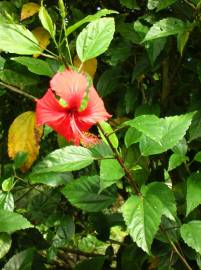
x=107, y=130
x=17, y=39
x=131, y=4
x=175, y=161
x=65, y=231
x=36, y=66
x=21, y=261
x=132, y=136
x=109, y=81
x=198, y=156
x=5, y=244
x=46, y=21
x=11, y=222
x=195, y=128
x=167, y=27
x=160, y=134
x=164, y=4
x=69, y=158
x=89, y=18
x=2, y=62
x=180, y=148
x=182, y=39
x=193, y=198
x=165, y=195
x=6, y=201
x=110, y=172
x=154, y=48
x=7, y=184
x=84, y=194
x=52, y=179
x=17, y=78
x=152, y=4
x=20, y=159
x=95, y=38
x=142, y=215
x=191, y=234
x=91, y=264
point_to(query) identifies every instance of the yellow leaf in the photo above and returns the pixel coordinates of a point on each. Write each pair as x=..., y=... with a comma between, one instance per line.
x=43, y=38
x=29, y=10
x=24, y=136
x=89, y=66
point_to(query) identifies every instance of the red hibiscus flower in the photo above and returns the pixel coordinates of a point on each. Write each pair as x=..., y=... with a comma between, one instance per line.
x=70, y=121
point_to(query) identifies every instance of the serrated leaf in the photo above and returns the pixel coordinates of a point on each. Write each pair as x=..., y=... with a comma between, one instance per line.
x=193, y=198
x=46, y=21
x=160, y=134
x=191, y=234
x=43, y=38
x=28, y=10
x=175, y=161
x=107, y=130
x=17, y=39
x=89, y=66
x=142, y=215
x=24, y=136
x=110, y=172
x=95, y=38
x=89, y=18
x=165, y=195
x=84, y=194
x=5, y=244
x=167, y=27
x=36, y=66
x=69, y=158
x=11, y=222
x=21, y=261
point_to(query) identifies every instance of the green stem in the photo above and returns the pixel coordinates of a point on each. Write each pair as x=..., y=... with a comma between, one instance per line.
x=16, y=90
x=128, y=175
x=67, y=45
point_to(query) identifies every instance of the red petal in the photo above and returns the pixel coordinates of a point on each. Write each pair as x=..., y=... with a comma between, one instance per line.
x=50, y=112
x=48, y=109
x=70, y=86
x=95, y=111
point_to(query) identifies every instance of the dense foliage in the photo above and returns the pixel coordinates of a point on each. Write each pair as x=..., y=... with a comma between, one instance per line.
x=130, y=200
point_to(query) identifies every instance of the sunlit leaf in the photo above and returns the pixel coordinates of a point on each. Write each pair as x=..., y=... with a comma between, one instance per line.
x=17, y=39
x=95, y=38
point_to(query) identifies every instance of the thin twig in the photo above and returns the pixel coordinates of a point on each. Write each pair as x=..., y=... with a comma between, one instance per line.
x=182, y=258
x=16, y=90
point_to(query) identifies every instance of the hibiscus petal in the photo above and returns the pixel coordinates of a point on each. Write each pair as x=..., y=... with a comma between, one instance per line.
x=48, y=109
x=50, y=112
x=70, y=86
x=95, y=111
